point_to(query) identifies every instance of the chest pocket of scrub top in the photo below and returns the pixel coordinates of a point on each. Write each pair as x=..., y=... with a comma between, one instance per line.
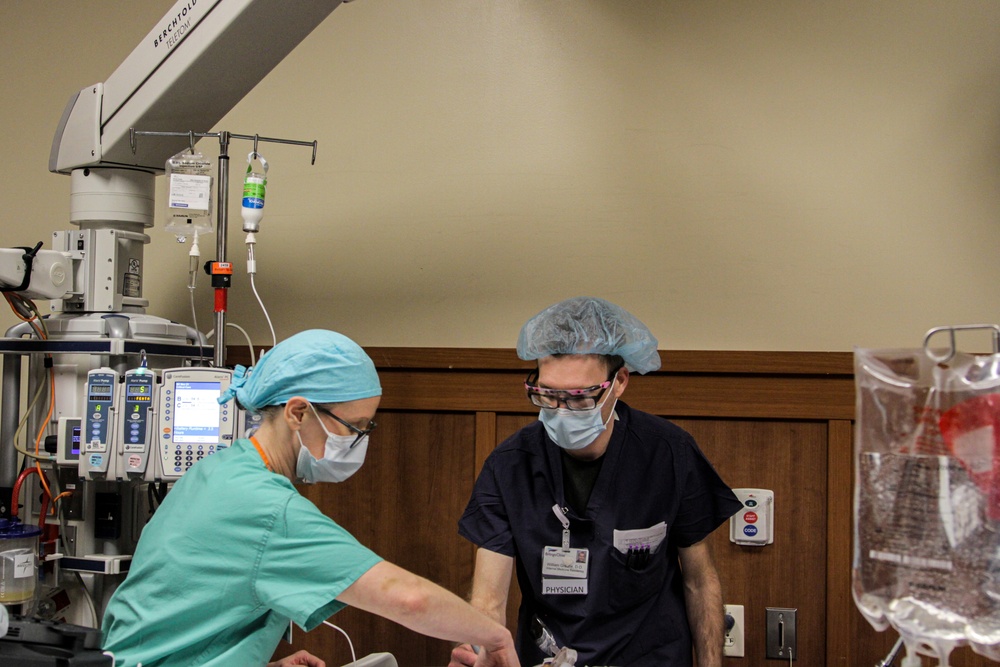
x=630, y=586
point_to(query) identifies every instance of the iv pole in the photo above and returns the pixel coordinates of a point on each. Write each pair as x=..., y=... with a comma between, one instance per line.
x=219, y=349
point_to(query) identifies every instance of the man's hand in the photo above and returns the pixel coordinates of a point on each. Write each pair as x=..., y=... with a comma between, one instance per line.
x=462, y=656
x=502, y=657
x=298, y=658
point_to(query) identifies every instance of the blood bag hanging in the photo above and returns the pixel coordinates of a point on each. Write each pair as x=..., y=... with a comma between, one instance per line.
x=927, y=498
x=189, y=196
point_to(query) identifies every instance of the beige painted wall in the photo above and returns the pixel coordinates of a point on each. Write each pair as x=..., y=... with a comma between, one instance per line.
x=741, y=175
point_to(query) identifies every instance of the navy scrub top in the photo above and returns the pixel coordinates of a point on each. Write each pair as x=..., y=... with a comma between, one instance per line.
x=653, y=471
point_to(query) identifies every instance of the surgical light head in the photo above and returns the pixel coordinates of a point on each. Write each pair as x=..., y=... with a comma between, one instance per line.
x=321, y=366
x=588, y=325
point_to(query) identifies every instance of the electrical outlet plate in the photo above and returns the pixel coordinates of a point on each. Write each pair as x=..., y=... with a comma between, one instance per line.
x=733, y=641
x=781, y=632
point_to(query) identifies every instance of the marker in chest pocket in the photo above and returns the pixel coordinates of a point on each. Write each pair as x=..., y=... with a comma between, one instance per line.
x=650, y=538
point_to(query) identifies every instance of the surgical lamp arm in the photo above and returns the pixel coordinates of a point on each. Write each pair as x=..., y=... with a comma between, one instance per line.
x=195, y=65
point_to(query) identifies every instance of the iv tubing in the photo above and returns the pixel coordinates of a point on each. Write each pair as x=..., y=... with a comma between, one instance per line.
x=19, y=304
x=43, y=509
x=193, y=273
x=64, y=494
x=274, y=340
x=253, y=358
x=24, y=421
x=349, y=642
x=17, y=486
x=41, y=431
x=252, y=271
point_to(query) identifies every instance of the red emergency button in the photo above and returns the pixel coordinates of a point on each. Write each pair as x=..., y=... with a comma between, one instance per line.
x=750, y=517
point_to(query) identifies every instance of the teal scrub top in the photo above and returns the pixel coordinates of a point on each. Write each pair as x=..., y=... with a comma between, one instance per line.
x=230, y=557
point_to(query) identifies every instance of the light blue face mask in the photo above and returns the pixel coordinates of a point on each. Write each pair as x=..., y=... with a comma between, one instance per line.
x=575, y=429
x=339, y=461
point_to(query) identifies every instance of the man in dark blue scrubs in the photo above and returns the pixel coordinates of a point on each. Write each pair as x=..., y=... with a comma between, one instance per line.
x=602, y=509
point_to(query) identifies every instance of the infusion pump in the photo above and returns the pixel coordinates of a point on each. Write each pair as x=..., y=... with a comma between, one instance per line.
x=192, y=423
x=148, y=425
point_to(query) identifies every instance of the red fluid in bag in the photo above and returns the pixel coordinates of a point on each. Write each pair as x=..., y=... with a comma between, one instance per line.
x=971, y=430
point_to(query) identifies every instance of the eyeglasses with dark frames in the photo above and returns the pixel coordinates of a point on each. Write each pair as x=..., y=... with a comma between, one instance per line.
x=354, y=429
x=572, y=399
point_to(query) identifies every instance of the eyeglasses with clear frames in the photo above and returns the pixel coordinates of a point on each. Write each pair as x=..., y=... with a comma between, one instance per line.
x=354, y=429
x=572, y=399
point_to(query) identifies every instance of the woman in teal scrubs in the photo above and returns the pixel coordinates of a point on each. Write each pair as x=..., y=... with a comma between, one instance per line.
x=235, y=553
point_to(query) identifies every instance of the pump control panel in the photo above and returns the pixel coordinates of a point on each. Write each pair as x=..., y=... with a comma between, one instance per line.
x=97, y=438
x=136, y=417
x=191, y=423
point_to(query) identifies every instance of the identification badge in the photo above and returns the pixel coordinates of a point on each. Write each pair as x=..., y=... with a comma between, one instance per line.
x=566, y=566
x=559, y=562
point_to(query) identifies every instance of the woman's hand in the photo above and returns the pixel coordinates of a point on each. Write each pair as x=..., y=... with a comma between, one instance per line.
x=298, y=658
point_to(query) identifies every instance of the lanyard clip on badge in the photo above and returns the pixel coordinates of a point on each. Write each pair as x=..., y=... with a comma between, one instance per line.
x=561, y=515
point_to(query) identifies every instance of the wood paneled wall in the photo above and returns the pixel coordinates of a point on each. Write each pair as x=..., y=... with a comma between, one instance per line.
x=781, y=421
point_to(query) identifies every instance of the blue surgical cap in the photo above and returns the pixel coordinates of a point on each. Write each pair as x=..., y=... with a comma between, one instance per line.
x=587, y=325
x=321, y=366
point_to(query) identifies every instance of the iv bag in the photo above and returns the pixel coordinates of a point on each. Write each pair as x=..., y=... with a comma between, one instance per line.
x=189, y=194
x=927, y=498
x=254, y=191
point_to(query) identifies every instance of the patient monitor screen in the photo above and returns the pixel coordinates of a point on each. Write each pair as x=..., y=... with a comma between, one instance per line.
x=196, y=413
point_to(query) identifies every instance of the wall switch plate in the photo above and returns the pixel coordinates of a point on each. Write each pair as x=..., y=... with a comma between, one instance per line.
x=733, y=641
x=781, y=634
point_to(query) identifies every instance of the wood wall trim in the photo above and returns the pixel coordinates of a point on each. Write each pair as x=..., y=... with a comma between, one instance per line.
x=741, y=385
x=674, y=361
x=839, y=529
x=687, y=395
x=486, y=438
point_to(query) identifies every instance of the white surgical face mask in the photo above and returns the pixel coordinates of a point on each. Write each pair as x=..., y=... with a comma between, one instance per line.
x=339, y=461
x=575, y=429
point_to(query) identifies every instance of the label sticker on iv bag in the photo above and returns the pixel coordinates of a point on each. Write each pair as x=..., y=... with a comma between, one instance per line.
x=190, y=192
x=254, y=190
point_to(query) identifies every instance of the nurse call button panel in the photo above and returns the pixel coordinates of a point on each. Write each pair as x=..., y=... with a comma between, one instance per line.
x=753, y=525
x=99, y=427
x=192, y=424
